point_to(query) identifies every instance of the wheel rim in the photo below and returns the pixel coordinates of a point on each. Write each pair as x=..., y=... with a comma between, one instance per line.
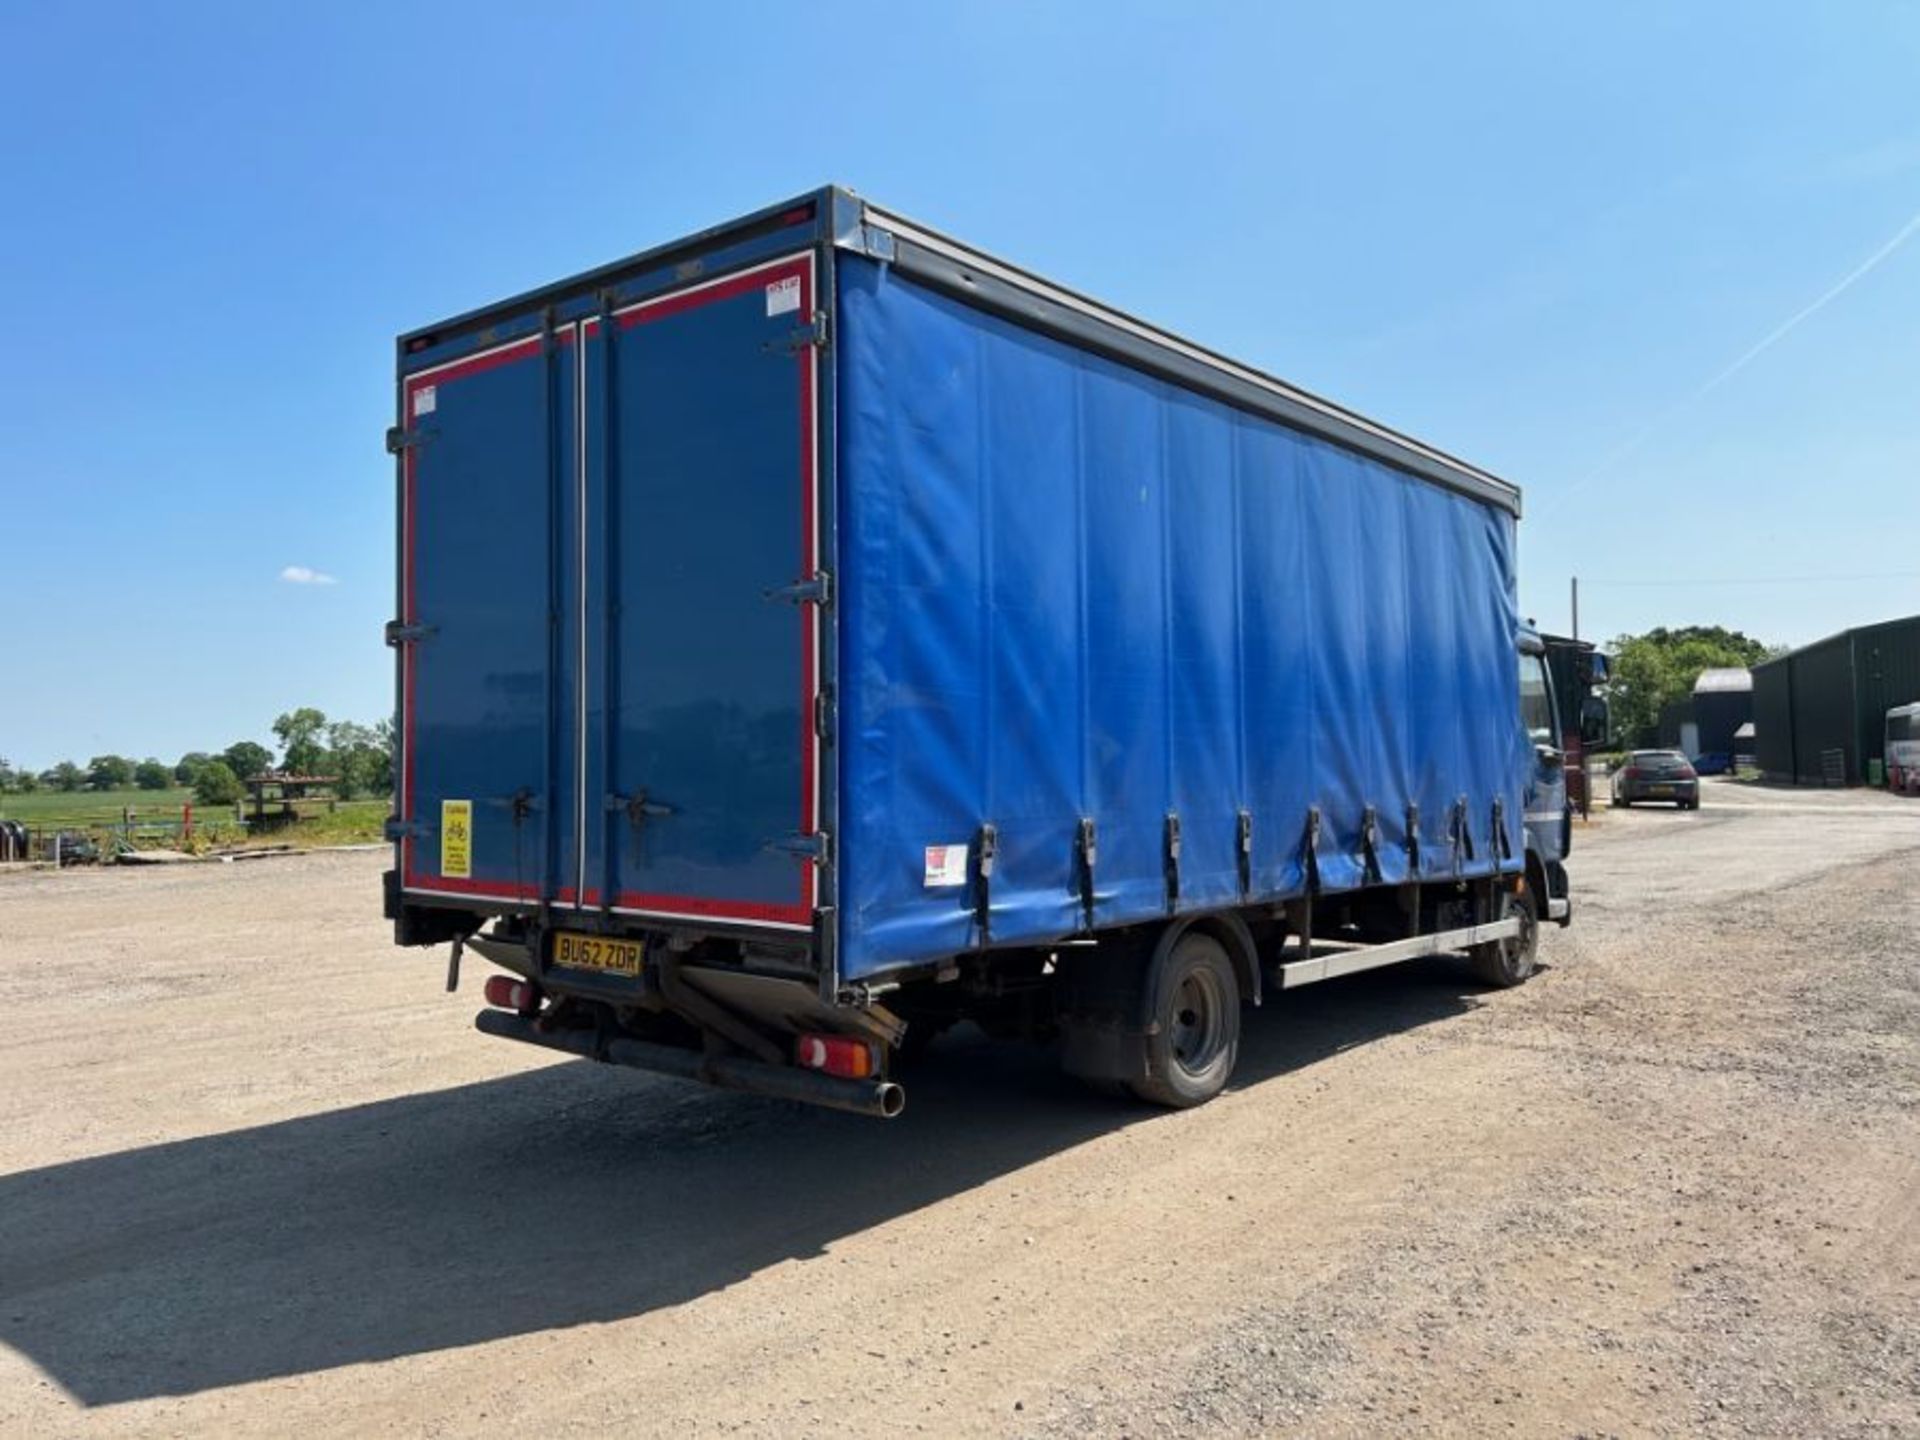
x=1199, y=1028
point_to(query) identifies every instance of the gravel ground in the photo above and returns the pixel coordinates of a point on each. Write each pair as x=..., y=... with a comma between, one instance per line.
x=258, y=1175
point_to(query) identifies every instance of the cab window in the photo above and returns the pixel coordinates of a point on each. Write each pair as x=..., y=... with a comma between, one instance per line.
x=1536, y=701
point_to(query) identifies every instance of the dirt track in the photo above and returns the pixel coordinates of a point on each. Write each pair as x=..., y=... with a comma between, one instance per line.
x=257, y=1174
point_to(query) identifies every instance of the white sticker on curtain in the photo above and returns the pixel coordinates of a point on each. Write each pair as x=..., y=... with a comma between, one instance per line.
x=946, y=866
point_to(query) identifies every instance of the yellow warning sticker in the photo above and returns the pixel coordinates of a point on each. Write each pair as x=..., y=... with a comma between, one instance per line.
x=456, y=839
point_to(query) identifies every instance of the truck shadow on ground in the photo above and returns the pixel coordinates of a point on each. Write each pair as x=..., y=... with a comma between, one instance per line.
x=557, y=1197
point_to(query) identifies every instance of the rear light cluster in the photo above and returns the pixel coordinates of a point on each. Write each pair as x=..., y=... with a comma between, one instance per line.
x=835, y=1055
x=504, y=992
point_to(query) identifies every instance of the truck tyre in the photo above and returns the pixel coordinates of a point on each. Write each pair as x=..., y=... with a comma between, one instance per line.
x=1196, y=1025
x=1506, y=963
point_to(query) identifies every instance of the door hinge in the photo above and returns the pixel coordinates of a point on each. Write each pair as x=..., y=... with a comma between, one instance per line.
x=399, y=633
x=395, y=829
x=817, y=589
x=823, y=716
x=815, y=847
x=399, y=439
x=813, y=333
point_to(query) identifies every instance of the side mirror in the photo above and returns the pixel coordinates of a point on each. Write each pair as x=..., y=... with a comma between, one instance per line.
x=1595, y=721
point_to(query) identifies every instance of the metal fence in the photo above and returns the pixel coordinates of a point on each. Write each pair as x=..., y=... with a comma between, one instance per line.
x=78, y=839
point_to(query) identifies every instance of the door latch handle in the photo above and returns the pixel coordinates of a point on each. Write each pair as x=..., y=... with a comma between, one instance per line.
x=638, y=807
x=814, y=847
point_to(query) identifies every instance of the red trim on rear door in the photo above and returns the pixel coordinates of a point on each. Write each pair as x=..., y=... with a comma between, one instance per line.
x=747, y=911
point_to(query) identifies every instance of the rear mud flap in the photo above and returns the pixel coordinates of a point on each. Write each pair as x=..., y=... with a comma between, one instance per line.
x=1094, y=1048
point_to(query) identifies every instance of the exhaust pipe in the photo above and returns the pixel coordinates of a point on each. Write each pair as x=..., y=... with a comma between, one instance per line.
x=880, y=1098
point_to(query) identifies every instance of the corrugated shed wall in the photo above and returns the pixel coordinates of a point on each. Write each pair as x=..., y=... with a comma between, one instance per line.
x=1886, y=667
x=1673, y=715
x=1823, y=715
x=1773, y=719
x=1834, y=695
x=1719, y=713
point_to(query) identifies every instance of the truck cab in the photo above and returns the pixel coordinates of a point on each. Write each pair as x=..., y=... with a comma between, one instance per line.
x=1549, y=812
x=1903, y=749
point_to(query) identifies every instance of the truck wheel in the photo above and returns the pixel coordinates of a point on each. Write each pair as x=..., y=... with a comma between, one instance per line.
x=1506, y=963
x=1196, y=1015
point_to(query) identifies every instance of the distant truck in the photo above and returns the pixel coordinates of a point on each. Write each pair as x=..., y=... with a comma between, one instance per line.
x=1903, y=749
x=815, y=632
x=1579, y=669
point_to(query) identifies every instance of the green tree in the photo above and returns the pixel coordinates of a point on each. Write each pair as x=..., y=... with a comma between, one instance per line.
x=188, y=766
x=301, y=735
x=66, y=777
x=8, y=776
x=244, y=759
x=109, y=772
x=26, y=782
x=1652, y=670
x=354, y=755
x=150, y=774
x=216, y=784
x=382, y=778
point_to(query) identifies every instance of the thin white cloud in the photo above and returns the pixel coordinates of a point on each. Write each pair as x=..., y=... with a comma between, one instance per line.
x=1740, y=362
x=303, y=575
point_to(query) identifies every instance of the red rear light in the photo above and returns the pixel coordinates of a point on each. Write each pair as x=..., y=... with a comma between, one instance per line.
x=1631, y=772
x=504, y=992
x=835, y=1054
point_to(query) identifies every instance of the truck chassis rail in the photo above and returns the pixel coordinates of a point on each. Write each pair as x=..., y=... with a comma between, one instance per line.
x=880, y=1098
x=1296, y=973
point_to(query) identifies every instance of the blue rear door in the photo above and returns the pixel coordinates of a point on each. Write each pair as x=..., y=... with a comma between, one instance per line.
x=487, y=592
x=701, y=766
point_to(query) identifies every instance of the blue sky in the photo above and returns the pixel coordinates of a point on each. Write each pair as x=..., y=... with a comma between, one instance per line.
x=1534, y=235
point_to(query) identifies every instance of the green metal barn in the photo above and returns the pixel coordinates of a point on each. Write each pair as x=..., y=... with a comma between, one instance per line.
x=1819, y=712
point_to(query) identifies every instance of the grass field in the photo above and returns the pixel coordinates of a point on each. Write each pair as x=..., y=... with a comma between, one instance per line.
x=93, y=807
x=351, y=822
